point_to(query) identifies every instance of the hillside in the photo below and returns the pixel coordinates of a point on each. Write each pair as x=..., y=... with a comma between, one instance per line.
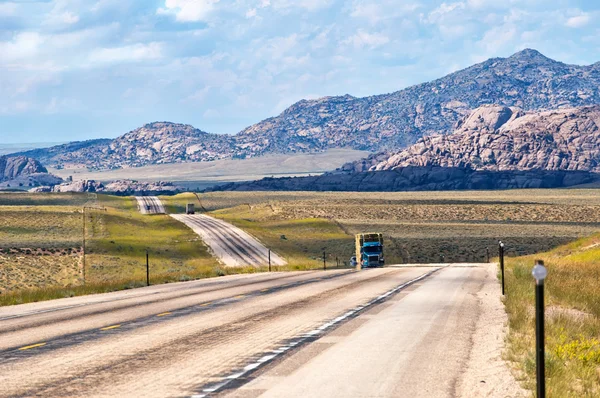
x=18, y=166
x=527, y=80
x=21, y=172
x=499, y=138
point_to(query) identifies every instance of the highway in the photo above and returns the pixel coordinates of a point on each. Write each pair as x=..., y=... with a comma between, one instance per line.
x=150, y=205
x=324, y=334
x=231, y=245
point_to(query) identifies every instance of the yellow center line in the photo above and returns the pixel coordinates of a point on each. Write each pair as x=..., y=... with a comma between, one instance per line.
x=265, y=290
x=240, y=296
x=205, y=304
x=164, y=314
x=29, y=347
x=111, y=327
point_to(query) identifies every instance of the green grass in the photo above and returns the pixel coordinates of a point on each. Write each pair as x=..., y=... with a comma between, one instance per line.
x=300, y=241
x=47, y=199
x=572, y=318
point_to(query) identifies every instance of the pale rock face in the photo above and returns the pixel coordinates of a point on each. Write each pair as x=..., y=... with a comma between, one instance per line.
x=498, y=139
x=18, y=166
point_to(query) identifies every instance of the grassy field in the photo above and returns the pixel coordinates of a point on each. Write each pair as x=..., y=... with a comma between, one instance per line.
x=41, y=247
x=41, y=234
x=572, y=318
x=423, y=226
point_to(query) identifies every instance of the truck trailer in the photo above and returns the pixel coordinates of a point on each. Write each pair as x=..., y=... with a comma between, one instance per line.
x=369, y=250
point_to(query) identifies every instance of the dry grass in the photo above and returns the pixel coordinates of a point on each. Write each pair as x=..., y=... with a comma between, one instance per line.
x=572, y=318
x=430, y=226
x=300, y=241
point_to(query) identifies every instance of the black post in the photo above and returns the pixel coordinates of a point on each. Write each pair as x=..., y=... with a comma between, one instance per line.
x=501, y=253
x=487, y=252
x=147, y=269
x=324, y=262
x=539, y=273
x=83, y=235
x=269, y=260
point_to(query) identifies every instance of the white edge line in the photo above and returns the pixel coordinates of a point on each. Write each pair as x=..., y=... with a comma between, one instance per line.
x=303, y=337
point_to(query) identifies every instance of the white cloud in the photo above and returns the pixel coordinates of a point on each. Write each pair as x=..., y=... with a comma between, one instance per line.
x=8, y=9
x=578, y=21
x=441, y=12
x=23, y=46
x=133, y=53
x=251, y=13
x=189, y=10
x=310, y=5
x=363, y=39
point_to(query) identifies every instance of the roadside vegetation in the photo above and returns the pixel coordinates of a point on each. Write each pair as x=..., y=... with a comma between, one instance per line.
x=422, y=227
x=41, y=235
x=572, y=318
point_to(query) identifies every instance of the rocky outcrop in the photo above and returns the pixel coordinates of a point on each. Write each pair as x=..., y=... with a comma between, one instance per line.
x=429, y=178
x=119, y=187
x=387, y=122
x=18, y=166
x=502, y=138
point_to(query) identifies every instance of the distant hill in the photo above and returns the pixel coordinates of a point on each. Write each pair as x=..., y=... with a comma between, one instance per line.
x=20, y=172
x=389, y=122
x=16, y=166
x=527, y=80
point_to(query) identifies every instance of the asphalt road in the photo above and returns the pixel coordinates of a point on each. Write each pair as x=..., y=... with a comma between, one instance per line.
x=415, y=345
x=231, y=245
x=208, y=337
x=150, y=205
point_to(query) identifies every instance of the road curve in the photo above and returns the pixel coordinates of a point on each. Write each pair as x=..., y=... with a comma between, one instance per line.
x=230, y=244
x=185, y=339
x=150, y=205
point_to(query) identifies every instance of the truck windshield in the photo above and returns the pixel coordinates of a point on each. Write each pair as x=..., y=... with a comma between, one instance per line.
x=372, y=249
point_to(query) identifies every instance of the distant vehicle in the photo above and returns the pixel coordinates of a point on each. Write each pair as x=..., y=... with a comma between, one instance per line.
x=189, y=209
x=353, y=261
x=369, y=250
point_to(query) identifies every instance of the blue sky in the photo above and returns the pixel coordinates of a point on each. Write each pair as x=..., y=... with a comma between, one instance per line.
x=79, y=69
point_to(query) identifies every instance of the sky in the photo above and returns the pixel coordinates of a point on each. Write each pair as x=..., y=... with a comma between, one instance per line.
x=82, y=69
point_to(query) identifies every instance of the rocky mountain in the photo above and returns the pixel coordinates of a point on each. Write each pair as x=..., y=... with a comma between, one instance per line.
x=18, y=166
x=154, y=143
x=389, y=122
x=527, y=80
x=500, y=138
x=20, y=172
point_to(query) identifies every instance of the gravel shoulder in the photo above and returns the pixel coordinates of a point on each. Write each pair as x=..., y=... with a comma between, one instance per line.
x=486, y=374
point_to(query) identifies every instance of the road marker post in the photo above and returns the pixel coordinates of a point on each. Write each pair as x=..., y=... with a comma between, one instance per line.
x=269, y=260
x=487, y=252
x=539, y=273
x=147, y=268
x=501, y=254
x=324, y=262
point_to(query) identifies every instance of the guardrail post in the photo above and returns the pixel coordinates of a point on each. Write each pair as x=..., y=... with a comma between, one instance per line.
x=501, y=254
x=539, y=273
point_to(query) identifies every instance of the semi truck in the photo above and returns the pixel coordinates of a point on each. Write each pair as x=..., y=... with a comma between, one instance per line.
x=369, y=250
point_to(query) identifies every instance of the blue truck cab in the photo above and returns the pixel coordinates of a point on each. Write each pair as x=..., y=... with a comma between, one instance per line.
x=369, y=250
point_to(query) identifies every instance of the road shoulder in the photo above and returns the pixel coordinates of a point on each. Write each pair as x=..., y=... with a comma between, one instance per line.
x=486, y=373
